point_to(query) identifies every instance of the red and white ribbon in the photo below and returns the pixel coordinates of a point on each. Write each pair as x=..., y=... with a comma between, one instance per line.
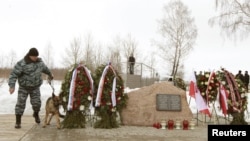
x=233, y=90
x=212, y=75
x=72, y=90
x=91, y=85
x=113, y=98
x=100, y=87
x=101, y=84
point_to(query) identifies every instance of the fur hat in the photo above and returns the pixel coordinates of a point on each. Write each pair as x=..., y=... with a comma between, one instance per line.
x=33, y=52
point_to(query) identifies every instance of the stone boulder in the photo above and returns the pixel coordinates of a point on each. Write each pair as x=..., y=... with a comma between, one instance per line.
x=142, y=110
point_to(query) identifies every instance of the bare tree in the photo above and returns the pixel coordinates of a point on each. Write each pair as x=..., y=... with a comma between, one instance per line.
x=6, y=63
x=115, y=53
x=88, y=52
x=179, y=33
x=11, y=59
x=73, y=54
x=129, y=46
x=234, y=21
x=48, y=56
x=233, y=17
x=8, y=60
x=98, y=57
x=152, y=62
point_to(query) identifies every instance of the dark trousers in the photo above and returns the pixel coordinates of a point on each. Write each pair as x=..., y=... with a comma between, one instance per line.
x=246, y=84
x=23, y=94
x=131, y=69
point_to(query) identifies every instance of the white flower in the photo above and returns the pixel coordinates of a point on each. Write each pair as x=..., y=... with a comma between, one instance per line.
x=244, y=106
x=242, y=95
x=82, y=107
x=206, y=83
x=237, y=103
x=89, y=98
x=113, y=109
x=223, y=82
x=209, y=87
x=64, y=99
x=119, y=98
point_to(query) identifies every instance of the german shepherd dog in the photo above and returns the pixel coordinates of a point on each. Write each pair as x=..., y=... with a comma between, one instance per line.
x=52, y=107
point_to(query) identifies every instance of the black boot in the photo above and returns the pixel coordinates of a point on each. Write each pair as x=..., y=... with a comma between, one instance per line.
x=36, y=116
x=18, y=121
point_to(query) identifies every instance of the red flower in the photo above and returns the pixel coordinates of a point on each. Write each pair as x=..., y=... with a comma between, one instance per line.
x=86, y=90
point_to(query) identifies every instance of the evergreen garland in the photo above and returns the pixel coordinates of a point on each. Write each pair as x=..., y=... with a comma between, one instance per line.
x=75, y=118
x=106, y=111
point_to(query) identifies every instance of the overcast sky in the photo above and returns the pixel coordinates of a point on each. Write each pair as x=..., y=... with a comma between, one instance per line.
x=28, y=23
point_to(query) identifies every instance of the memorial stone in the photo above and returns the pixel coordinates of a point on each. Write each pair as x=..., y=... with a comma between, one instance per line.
x=154, y=103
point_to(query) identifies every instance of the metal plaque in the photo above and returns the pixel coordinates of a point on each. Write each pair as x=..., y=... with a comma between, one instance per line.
x=168, y=102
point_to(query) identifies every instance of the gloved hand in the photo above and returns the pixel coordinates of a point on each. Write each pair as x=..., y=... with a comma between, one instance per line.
x=51, y=77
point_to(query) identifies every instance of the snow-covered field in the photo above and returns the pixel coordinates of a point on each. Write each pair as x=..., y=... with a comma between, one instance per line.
x=8, y=101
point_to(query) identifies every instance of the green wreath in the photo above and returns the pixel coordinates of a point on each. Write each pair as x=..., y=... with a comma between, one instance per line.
x=106, y=111
x=81, y=99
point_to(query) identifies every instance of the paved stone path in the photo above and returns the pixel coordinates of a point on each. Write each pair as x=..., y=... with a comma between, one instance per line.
x=34, y=132
x=7, y=130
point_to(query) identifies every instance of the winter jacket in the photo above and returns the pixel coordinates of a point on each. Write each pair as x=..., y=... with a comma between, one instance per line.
x=28, y=73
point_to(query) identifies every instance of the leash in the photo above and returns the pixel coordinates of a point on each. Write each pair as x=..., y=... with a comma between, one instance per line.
x=51, y=83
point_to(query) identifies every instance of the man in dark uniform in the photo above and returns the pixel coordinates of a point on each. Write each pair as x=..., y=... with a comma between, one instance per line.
x=28, y=73
x=246, y=80
x=240, y=76
x=131, y=61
